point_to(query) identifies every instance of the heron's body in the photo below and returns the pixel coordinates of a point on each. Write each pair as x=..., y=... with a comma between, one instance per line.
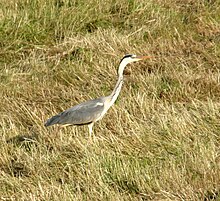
x=87, y=113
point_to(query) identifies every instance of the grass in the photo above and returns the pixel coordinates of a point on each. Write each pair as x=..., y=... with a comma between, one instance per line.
x=160, y=141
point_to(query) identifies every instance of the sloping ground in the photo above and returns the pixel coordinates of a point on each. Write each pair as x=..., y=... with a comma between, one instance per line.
x=160, y=141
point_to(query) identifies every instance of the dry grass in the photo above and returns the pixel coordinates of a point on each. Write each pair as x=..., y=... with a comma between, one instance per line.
x=160, y=141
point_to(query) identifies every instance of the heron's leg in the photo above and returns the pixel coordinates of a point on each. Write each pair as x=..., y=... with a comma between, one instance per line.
x=90, y=129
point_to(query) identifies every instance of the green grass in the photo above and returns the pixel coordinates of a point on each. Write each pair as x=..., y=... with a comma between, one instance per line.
x=160, y=141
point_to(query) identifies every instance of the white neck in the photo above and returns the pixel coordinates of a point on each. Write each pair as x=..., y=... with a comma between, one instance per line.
x=117, y=89
x=122, y=66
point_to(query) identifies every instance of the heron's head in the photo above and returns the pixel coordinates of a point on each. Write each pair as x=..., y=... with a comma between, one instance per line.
x=129, y=58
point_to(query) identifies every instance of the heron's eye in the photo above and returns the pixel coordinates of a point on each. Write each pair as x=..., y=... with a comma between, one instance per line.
x=133, y=56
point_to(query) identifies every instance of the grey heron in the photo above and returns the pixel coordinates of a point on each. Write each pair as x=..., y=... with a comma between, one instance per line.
x=87, y=113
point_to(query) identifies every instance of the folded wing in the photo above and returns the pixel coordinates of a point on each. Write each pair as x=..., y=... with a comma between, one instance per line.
x=84, y=113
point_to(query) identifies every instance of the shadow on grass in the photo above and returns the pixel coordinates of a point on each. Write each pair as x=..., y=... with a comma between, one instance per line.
x=14, y=166
x=26, y=140
x=16, y=169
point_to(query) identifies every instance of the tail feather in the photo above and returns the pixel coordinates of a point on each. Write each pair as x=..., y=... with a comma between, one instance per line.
x=53, y=120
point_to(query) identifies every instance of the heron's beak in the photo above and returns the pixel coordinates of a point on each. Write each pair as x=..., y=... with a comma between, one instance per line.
x=143, y=57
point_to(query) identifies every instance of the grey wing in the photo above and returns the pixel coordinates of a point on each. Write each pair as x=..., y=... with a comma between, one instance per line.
x=83, y=113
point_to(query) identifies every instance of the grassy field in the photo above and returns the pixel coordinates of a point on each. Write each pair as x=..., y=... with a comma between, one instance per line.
x=160, y=141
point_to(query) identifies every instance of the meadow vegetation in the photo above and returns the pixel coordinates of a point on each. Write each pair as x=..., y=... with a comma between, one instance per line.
x=161, y=139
